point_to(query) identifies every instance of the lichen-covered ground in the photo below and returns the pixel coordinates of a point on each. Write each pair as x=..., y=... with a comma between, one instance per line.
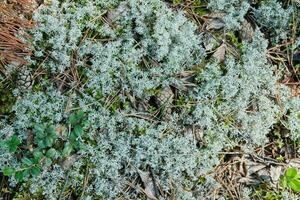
x=150, y=99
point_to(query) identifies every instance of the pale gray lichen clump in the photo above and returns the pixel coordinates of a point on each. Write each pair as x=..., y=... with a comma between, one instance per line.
x=142, y=47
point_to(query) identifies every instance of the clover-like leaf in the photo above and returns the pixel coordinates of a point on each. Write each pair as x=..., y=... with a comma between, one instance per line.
x=8, y=171
x=35, y=171
x=13, y=143
x=51, y=153
x=27, y=161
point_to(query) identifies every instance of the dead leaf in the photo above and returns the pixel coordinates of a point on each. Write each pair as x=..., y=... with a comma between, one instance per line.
x=209, y=42
x=275, y=173
x=220, y=53
x=60, y=130
x=214, y=20
x=215, y=24
x=247, y=31
x=148, y=184
x=69, y=161
x=164, y=100
x=214, y=15
x=113, y=15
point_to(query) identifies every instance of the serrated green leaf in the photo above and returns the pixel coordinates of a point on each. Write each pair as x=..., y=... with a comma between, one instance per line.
x=38, y=155
x=39, y=130
x=41, y=144
x=76, y=118
x=78, y=130
x=48, y=142
x=72, y=137
x=13, y=143
x=67, y=150
x=35, y=171
x=48, y=162
x=51, y=153
x=2, y=144
x=80, y=114
x=19, y=176
x=27, y=161
x=26, y=172
x=8, y=171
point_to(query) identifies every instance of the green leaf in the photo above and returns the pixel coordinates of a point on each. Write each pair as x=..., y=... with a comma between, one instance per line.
x=295, y=185
x=291, y=173
x=51, y=153
x=76, y=118
x=3, y=144
x=26, y=172
x=35, y=171
x=72, y=119
x=72, y=137
x=67, y=150
x=8, y=171
x=48, y=162
x=38, y=155
x=82, y=146
x=13, y=143
x=78, y=130
x=39, y=130
x=27, y=161
x=40, y=144
x=48, y=142
x=19, y=176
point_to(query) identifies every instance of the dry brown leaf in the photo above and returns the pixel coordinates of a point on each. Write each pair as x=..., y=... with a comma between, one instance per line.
x=209, y=42
x=215, y=24
x=148, y=184
x=254, y=167
x=164, y=100
x=275, y=173
x=246, y=31
x=60, y=130
x=113, y=15
x=220, y=53
x=214, y=20
x=69, y=161
x=215, y=15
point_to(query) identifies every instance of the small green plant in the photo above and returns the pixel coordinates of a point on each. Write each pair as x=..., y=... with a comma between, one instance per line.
x=77, y=121
x=291, y=179
x=266, y=192
x=47, y=147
